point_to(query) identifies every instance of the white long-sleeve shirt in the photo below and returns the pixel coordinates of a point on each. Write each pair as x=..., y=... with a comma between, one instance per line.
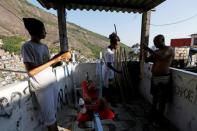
x=108, y=73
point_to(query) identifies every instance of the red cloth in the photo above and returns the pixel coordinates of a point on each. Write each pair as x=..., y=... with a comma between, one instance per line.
x=89, y=91
x=104, y=114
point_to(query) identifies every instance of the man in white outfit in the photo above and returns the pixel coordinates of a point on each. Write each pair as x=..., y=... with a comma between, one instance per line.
x=108, y=67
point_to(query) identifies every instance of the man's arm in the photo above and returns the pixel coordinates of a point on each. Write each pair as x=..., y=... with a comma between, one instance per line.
x=29, y=66
x=168, y=53
x=149, y=50
x=156, y=55
x=151, y=58
x=112, y=68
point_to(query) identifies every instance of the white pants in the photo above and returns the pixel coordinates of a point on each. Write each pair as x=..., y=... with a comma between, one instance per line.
x=107, y=74
x=47, y=99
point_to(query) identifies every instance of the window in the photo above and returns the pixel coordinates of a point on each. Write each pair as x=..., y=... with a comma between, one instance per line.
x=195, y=41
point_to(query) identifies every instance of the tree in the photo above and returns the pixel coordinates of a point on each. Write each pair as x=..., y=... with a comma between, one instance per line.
x=135, y=51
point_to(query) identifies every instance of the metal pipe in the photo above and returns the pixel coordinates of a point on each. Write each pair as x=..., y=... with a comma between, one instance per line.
x=97, y=123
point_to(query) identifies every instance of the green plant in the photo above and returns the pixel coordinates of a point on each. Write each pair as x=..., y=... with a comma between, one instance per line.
x=54, y=50
x=94, y=48
x=12, y=43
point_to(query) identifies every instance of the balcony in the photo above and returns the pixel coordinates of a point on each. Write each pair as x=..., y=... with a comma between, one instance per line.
x=19, y=110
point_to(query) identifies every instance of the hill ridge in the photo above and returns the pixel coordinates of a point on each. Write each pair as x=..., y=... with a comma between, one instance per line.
x=83, y=40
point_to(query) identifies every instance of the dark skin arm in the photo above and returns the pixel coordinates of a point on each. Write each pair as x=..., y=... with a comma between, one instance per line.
x=150, y=59
x=112, y=68
x=155, y=55
x=59, y=63
x=149, y=50
x=29, y=66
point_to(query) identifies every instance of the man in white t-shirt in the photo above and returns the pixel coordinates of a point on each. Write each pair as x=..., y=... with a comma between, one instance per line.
x=34, y=54
x=108, y=68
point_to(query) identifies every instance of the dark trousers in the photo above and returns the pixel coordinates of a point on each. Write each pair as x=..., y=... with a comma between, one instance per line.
x=158, y=109
x=162, y=93
x=111, y=93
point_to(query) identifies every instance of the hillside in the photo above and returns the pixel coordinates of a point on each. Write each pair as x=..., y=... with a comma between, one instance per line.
x=80, y=39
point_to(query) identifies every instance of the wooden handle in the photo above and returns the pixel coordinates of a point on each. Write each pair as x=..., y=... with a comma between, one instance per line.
x=65, y=56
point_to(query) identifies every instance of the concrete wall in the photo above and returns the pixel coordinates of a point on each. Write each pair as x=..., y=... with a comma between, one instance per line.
x=19, y=110
x=182, y=111
x=80, y=71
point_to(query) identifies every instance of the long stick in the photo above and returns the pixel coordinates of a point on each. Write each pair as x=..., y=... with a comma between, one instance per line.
x=64, y=56
x=123, y=85
x=142, y=61
x=115, y=29
x=129, y=81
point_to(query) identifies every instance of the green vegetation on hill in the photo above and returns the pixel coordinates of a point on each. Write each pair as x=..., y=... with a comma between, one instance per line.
x=125, y=47
x=12, y=43
x=94, y=48
x=90, y=32
x=54, y=50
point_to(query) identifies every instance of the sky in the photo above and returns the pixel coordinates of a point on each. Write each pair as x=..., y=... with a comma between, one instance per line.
x=177, y=17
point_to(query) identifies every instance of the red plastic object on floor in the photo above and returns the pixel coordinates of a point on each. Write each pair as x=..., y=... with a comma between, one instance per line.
x=92, y=104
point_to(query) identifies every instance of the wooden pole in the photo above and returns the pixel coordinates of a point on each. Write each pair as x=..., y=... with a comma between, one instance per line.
x=122, y=79
x=61, y=13
x=144, y=39
x=115, y=29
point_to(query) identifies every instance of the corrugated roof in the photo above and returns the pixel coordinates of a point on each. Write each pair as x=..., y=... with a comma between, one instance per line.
x=106, y=5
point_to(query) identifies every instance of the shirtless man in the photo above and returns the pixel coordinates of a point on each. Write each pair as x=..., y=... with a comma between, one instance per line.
x=160, y=81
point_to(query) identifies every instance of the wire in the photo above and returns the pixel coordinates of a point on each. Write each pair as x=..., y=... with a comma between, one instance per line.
x=177, y=22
